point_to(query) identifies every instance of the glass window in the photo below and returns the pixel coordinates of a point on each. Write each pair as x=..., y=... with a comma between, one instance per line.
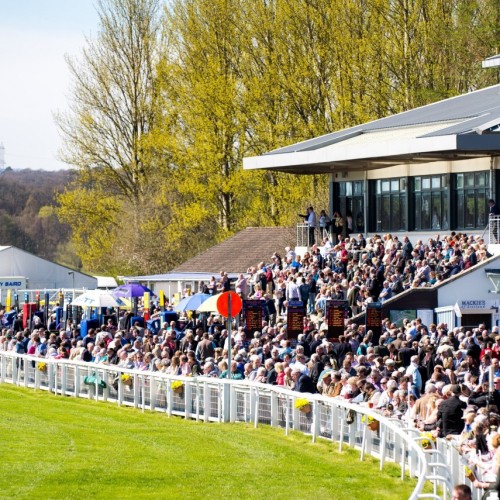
x=430, y=206
x=436, y=211
x=396, y=213
x=390, y=204
x=386, y=213
x=357, y=214
x=469, y=209
x=460, y=210
x=481, y=211
x=472, y=193
x=353, y=204
x=378, y=207
x=445, y=225
x=426, y=210
x=480, y=179
x=469, y=180
x=418, y=212
x=418, y=183
x=402, y=208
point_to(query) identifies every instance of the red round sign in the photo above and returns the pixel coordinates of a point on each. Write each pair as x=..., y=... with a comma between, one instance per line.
x=223, y=304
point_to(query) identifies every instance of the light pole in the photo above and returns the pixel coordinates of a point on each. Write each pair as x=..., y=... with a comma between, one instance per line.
x=73, y=277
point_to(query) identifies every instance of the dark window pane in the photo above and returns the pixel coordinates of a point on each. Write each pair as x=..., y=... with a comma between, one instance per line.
x=379, y=213
x=445, y=225
x=386, y=213
x=357, y=214
x=402, y=207
x=480, y=179
x=426, y=211
x=469, y=209
x=403, y=184
x=444, y=181
x=418, y=211
x=482, y=209
x=396, y=213
x=460, y=210
x=342, y=188
x=436, y=212
x=358, y=188
x=460, y=181
x=418, y=183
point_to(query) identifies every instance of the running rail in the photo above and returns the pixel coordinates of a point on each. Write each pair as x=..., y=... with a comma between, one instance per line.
x=211, y=399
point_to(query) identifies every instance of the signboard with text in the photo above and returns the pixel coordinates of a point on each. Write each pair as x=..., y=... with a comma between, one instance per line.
x=253, y=311
x=373, y=320
x=12, y=283
x=295, y=319
x=336, y=313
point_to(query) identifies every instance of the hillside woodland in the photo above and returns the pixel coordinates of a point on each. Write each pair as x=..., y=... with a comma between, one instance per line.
x=27, y=214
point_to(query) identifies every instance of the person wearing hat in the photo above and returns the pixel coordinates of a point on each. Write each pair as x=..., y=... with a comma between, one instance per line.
x=325, y=386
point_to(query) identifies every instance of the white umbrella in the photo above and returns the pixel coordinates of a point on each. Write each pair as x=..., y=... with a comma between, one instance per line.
x=209, y=305
x=97, y=298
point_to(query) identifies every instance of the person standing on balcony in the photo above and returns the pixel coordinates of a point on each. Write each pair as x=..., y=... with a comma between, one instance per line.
x=310, y=220
x=494, y=211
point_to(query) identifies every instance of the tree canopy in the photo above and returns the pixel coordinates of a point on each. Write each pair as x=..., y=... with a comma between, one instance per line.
x=169, y=98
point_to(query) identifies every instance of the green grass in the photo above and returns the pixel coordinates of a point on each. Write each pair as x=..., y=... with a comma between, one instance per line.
x=59, y=447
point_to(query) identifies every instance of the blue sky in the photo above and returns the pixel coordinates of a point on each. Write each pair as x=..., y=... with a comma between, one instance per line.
x=35, y=83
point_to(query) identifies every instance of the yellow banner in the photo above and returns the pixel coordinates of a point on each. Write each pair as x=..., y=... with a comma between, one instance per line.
x=161, y=298
x=8, y=304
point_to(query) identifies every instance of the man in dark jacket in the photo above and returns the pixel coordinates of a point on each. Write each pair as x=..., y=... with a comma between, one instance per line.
x=340, y=349
x=450, y=414
x=303, y=383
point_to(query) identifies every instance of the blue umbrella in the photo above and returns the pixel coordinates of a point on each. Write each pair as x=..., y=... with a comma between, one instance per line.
x=192, y=302
x=131, y=290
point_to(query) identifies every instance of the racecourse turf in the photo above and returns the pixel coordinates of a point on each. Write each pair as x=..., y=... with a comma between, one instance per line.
x=55, y=447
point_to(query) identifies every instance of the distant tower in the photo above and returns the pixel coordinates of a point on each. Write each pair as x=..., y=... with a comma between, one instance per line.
x=2, y=156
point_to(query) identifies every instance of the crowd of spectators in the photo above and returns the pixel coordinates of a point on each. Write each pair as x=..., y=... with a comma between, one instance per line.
x=359, y=270
x=434, y=378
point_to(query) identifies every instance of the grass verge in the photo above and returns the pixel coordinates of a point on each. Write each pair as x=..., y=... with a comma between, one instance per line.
x=60, y=447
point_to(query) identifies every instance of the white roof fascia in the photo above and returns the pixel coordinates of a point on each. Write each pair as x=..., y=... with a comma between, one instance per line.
x=340, y=153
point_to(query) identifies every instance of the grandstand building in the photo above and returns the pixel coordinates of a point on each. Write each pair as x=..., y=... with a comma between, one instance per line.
x=425, y=171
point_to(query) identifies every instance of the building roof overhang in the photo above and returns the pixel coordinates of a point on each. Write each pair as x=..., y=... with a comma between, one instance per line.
x=379, y=155
x=463, y=127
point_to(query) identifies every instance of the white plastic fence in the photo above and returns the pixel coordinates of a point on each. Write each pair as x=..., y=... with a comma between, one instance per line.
x=209, y=399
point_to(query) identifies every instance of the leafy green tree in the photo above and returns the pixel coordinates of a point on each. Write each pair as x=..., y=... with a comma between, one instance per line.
x=113, y=109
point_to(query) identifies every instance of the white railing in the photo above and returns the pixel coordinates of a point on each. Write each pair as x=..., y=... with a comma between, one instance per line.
x=210, y=399
x=493, y=230
x=303, y=235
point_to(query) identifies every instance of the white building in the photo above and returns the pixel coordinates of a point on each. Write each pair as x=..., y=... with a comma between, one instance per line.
x=21, y=270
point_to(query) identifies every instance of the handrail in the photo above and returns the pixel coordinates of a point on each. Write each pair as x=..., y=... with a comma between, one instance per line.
x=212, y=399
